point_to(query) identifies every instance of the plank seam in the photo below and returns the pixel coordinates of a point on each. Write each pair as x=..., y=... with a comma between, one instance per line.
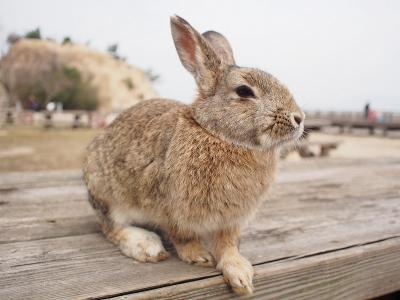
x=289, y=258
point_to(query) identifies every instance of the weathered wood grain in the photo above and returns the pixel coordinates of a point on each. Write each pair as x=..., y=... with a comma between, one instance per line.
x=49, y=250
x=86, y=266
x=361, y=272
x=43, y=212
x=80, y=267
x=16, y=180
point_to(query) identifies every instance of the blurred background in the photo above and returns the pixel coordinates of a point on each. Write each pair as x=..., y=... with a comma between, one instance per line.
x=68, y=68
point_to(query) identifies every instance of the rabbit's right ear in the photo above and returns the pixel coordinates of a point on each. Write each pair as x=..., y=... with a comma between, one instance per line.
x=196, y=55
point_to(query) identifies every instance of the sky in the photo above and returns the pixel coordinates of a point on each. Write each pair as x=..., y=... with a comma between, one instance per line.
x=332, y=55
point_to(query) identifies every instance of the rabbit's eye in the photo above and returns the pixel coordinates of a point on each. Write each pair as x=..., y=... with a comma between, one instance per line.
x=244, y=91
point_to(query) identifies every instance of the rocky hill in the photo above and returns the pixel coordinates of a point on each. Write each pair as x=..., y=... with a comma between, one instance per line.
x=31, y=62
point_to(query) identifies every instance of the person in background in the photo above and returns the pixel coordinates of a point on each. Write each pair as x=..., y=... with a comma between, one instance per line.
x=32, y=104
x=366, y=111
x=369, y=114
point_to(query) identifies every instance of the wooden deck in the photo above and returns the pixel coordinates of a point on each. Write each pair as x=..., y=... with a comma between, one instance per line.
x=330, y=230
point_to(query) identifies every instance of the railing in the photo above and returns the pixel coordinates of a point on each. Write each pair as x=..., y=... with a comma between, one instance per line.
x=385, y=117
x=72, y=118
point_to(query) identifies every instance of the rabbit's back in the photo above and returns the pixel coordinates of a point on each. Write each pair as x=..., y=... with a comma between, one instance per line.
x=123, y=162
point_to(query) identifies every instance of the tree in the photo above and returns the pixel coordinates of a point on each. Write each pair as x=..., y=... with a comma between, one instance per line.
x=3, y=104
x=45, y=78
x=78, y=93
x=113, y=50
x=34, y=34
x=13, y=38
x=129, y=83
x=67, y=40
x=17, y=78
x=153, y=77
x=34, y=78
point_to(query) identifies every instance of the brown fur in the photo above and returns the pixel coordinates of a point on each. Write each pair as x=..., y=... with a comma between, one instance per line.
x=193, y=251
x=192, y=170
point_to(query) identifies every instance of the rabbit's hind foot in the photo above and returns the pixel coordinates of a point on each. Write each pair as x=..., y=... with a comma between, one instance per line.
x=141, y=244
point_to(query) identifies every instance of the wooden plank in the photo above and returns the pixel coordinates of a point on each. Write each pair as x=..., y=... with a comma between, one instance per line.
x=80, y=267
x=305, y=216
x=360, y=272
x=89, y=266
x=13, y=181
x=47, y=228
x=53, y=204
x=10, y=181
x=85, y=266
x=44, y=212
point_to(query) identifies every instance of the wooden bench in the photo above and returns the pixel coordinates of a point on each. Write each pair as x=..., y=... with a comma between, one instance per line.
x=304, y=148
x=329, y=230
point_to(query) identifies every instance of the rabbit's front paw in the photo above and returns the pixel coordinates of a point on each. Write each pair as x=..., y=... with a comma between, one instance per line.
x=238, y=273
x=142, y=245
x=193, y=252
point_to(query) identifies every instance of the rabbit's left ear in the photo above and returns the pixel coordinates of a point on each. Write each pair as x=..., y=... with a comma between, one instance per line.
x=221, y=46
x=197, y=55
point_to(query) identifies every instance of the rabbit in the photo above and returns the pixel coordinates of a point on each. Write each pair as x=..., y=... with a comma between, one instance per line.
x=195, y=172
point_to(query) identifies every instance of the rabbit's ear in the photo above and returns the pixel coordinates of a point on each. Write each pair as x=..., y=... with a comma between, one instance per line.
x=221, y=46
x=196, y=55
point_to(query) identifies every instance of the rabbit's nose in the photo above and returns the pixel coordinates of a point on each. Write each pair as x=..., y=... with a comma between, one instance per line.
x=296, y=119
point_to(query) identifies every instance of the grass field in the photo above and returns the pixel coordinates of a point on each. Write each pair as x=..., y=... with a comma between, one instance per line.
x=33, y=149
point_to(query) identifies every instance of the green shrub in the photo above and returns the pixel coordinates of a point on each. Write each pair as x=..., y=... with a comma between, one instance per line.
x=78, y=93
x=37, y=91
x=67, y=40
x=129, y=83
x=34, y=34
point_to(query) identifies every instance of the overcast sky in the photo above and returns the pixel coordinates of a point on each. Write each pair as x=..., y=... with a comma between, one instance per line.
x=331, y=54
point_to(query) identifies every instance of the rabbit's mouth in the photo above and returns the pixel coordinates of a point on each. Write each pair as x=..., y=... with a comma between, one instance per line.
x=298, y=132
x=279, y=133
x=283, y=128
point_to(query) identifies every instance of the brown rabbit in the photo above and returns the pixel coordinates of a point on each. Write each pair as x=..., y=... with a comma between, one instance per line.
x=193, y=171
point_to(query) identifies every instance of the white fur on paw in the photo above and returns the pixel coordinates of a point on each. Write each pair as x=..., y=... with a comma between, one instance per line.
x=142, y=245
x=238, y=273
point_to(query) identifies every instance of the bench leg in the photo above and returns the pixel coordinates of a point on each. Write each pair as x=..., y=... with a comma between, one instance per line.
x=371, y=130
x=324, y=151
